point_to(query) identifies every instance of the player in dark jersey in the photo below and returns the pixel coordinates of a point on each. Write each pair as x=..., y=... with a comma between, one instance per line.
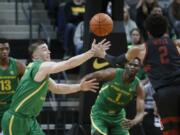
x=27, y=102
x=11, y=71
x=107, y=114
x=161, y=59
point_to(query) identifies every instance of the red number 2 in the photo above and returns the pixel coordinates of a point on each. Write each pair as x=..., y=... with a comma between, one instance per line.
x=163, y=55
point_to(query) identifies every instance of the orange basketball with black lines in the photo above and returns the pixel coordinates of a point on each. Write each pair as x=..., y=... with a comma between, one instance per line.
x=101, y=24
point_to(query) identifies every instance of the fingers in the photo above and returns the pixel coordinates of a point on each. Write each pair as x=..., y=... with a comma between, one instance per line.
x=93, y=90
x=127, y=124
x=94, y=41
x=102, y=42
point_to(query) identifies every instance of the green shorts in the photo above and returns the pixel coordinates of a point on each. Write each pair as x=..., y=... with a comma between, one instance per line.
x=15, y=124
x=103, y=123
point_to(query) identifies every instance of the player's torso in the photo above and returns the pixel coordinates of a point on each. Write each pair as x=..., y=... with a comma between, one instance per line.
x=30, y=95
x=114, y=95
x=8, y=83
x=162, y=60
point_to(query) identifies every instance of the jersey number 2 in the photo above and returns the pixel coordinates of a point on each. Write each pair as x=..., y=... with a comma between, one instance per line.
x=163, y=55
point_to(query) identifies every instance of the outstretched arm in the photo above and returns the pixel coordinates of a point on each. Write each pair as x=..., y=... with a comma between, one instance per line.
x=122, y=59
x=56, y=88
x=101, y=75
x=47, y=68
x=139, y=109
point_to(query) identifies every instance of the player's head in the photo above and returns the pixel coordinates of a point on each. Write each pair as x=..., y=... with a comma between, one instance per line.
x=156, y=25
x=132, y=67
x=4, y=49
x=39, y=50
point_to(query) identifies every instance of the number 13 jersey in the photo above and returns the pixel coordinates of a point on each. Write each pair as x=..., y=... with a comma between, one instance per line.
x=8, y=83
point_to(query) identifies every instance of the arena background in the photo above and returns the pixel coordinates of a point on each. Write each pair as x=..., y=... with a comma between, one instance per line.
x=25, y=21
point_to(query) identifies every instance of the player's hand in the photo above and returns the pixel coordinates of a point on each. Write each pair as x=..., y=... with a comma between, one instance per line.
x=127, y=123
x=100, y=48
x=90, y=85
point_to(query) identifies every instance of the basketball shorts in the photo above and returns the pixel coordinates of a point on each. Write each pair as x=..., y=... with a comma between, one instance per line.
x=16, y=124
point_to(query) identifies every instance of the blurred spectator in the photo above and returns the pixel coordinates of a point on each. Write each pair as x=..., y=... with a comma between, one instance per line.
x=159, y=10
x=174, y=16
x=132, y=7
x=136, y=37
x=129, y=24
x=74, y=13
x=78, y=38
x=143, y=10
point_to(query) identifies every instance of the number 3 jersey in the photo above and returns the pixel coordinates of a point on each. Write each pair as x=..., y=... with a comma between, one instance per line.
x=8, y=83
x=162, y=62
x=114, y=95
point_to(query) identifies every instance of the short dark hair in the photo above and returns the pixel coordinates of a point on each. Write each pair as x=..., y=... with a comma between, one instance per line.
x=156, y=25
x=34, y=46
x=3, y=40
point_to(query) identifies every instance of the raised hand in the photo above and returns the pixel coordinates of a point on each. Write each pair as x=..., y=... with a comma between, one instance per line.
x=100, y=48
x=90, y=85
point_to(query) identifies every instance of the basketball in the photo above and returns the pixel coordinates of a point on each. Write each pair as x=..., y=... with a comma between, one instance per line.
x=101, y=24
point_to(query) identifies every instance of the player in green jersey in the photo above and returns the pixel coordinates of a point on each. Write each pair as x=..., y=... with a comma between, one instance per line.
x=27, y=102
x=10, y=72
x=108, y=114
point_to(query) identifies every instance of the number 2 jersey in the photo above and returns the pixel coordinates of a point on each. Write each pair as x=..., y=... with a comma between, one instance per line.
x=162, y=62
x=8, y=84
x=114, y=95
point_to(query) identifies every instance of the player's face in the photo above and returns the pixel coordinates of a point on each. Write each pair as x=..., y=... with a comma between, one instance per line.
x=132, y=68
x=4, y=50
x=135, y=37
x=43, y=52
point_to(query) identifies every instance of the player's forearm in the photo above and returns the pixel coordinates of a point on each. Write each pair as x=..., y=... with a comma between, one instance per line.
x=66, y=88
x=79, y=59
x=139, y=111
x=71, y=63
x=96, y=76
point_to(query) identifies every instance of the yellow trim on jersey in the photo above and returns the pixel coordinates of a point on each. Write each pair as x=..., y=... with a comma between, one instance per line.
x=117, y=89
x=103, y=88
x=10, y=125
x=94, y=125
x=7, y=77
x=28, y=97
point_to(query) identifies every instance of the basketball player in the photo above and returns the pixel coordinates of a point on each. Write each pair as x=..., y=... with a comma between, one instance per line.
x=161, y=59
x=11, y=71
x=108, y=114
x=20, y=119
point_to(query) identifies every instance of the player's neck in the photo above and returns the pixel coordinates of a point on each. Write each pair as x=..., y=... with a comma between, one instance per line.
x=4, y=63
x=126, y=79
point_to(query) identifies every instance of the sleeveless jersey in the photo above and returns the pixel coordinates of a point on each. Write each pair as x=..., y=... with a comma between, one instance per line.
x=30, y=95
x=114, y=95
x=8, y=84
x=162, y=62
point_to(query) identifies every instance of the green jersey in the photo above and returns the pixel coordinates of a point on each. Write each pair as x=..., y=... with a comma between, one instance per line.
x=8, y=84
x=30, y=95
x=114, y=95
